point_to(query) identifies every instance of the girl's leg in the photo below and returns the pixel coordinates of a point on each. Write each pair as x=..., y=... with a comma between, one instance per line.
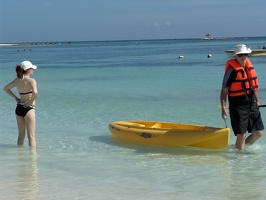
x=30, y=122
x=21, y=130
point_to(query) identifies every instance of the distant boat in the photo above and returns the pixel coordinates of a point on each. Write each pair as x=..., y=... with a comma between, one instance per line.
x=255, y=52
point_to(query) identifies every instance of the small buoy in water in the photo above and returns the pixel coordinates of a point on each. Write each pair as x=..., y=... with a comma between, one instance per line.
x=209, y=56
x=181, y=57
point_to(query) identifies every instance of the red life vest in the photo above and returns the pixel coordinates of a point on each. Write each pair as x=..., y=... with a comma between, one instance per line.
x=246, y=78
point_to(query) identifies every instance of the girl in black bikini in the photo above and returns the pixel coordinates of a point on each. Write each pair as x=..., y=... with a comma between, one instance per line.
x=25, y=110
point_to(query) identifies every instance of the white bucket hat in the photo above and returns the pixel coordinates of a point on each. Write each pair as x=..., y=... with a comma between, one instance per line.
x=242, y=49
x=28, y=65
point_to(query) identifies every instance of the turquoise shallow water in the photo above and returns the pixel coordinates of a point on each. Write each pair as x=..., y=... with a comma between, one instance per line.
x=85, y=85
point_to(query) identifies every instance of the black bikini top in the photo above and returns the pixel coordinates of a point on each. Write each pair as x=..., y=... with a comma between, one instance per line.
x=25, y=93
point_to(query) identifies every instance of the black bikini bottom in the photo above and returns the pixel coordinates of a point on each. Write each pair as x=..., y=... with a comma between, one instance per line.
x=21, y=111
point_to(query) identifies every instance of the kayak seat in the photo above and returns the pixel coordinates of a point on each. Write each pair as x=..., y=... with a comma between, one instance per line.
x=156, y=125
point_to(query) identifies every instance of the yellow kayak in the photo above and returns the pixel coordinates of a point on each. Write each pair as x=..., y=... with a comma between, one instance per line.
x=171, y=134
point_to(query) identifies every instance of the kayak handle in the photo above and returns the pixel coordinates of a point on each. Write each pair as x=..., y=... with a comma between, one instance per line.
x=262, y=106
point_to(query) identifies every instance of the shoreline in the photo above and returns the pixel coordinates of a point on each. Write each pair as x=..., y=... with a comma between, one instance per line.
x=69, y=42
x=29, y=44
x=2, y=45
x=58, y=43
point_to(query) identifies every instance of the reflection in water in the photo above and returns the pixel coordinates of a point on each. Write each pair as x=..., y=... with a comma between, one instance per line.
x=28, y=185
x=245, y=181
x=227, y=173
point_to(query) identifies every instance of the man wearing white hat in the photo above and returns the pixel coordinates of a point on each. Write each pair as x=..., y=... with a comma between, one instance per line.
x=240, y=86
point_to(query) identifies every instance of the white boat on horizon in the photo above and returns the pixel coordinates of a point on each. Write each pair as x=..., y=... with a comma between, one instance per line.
x=255, y=52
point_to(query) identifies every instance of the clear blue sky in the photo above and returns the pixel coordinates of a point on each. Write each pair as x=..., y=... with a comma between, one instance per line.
x=89, y=20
